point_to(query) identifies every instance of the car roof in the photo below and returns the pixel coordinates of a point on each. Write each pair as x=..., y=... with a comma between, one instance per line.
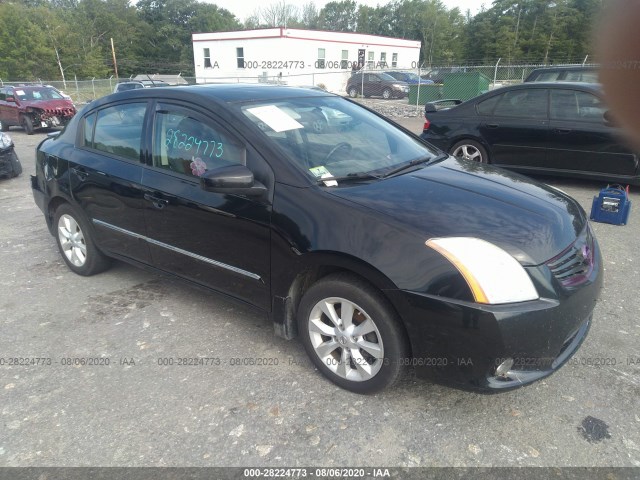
x=227, y=93
x=595, y=87
x=563, y=68
x=30, y=87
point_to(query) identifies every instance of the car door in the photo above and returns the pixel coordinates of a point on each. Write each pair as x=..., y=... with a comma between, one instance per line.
x=105, y=174
x=373, y=85
x=580, y=139
x=3, y=105
x=221, y=241
x=10, y=114
x=517, y=129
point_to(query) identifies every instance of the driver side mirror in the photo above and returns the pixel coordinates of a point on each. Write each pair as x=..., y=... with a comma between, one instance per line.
x=10, y=99
x=234, y=179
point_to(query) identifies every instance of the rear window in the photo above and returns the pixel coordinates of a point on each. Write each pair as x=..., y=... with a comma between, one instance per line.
x=530, y=103
x=118, y=130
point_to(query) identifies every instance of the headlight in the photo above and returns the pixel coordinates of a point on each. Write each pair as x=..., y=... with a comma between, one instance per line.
x=492, y=274
x=5, y=140
x=397, y=85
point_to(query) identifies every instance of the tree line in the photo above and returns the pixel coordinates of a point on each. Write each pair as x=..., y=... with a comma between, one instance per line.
x=49, y=39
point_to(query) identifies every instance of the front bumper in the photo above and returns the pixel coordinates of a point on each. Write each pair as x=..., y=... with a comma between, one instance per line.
x=462, y=343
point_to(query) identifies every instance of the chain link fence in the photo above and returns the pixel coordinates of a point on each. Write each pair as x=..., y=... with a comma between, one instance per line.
x=425, y=84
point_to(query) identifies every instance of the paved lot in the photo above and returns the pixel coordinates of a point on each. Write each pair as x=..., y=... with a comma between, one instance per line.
x=145, y=414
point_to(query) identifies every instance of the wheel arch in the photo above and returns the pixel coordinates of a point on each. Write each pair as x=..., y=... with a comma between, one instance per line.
x=52, y=206
x=318, y=265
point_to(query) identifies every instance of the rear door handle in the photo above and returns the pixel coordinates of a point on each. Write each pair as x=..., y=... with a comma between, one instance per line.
x=157, y=202
x=563, y=130
x=492, y=125
x=81, y=173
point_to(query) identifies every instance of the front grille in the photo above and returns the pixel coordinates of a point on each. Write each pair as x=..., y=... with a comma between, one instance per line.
x=574, y=265
x=60, y=112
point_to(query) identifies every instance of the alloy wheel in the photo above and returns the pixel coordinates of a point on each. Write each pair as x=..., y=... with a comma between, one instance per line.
x=346, y=339
x=72, y=240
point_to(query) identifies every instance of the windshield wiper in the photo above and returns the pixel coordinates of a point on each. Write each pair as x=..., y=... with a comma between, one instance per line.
x=350, y=177
x=413, y=163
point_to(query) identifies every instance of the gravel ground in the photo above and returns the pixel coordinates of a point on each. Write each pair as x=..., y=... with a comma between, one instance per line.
x=137, y=412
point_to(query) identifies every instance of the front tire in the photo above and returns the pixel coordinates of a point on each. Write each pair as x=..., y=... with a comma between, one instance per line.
x=27, y=124
x=353, y=92
x=352, y=334
x=470, y=150
x=75, y=243
x=386, y=94
x=16, y=166
x=3, y=126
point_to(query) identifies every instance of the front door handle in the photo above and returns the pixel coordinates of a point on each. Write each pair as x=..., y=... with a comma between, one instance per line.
x=492, y=125
x=157, y=202
x=563, y=130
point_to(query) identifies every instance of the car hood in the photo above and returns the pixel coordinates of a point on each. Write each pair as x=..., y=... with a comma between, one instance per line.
x=61, y=104
x=530, y=220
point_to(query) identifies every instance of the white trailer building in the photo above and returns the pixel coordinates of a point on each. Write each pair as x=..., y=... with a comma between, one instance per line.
x=297, y=57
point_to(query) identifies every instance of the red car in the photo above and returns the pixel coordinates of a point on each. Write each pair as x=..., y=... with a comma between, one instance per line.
x=34, y=106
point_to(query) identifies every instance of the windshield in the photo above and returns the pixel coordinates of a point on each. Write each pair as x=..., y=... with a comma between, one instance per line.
x=412, y=76
x=330, y=136
x=37, y=94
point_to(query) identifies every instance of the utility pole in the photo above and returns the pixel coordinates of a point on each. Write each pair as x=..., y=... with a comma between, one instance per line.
x=115, y=64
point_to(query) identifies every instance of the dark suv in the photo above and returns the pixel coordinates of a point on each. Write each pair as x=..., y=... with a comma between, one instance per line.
x=376, y=84
x=34, y=106
x=564, y=74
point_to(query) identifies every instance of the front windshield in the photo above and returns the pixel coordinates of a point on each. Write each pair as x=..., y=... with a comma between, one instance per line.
x=37, y=94
x=413, y=76
x=330, y=136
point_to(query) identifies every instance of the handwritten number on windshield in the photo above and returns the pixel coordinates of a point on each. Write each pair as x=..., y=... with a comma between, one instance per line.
x=186, y=142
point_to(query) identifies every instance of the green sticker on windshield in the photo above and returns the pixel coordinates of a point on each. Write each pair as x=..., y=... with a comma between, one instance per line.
x=320, y=171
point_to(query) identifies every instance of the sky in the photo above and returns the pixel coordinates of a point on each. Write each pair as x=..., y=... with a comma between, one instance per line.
x=244, y=8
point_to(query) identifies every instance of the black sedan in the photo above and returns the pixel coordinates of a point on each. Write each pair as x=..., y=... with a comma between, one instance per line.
x=553, y=128
x=373, y=247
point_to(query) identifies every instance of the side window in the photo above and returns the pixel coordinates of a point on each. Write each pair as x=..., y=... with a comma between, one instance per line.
x=3, y=94
x=576, y=106
x=189, y=145
x=486, y=107
x=87, y=128
x=547, y=77
x=530, y=103
x=118, y=130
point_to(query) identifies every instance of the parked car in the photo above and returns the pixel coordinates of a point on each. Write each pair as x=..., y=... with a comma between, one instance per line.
x=10, y=165
x=554, y=128
x=125, y=86
x=34, y=106
x=437, y=75
x=134, y=84
x=564, y=74
x=376, y=85
x=409, y=77
x=376, y=249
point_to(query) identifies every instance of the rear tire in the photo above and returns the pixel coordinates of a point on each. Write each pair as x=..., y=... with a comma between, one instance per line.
x=3, y=126
x=386, y=94
x=352, y=334
x=76, y=246
x=353, y=92
x=27, y=124
x=470, y=150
